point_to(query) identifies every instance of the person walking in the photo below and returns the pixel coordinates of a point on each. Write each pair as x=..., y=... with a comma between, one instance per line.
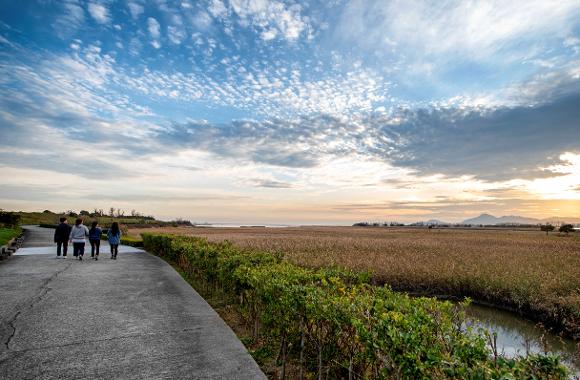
x=95, y=239
x=61, y=235
x=77, y=236
x=114, y=236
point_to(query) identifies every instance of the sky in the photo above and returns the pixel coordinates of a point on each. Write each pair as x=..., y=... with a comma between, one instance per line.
x=292, y=112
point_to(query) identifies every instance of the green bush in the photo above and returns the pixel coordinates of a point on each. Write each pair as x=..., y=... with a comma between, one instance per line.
x=9, y=219
x=134, y=242
x=333, y=321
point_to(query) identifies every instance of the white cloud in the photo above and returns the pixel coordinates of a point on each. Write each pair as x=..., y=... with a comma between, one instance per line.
x=71, y=18
x=135, y=9
x=99, y=12
x=266, y=15
x=135, y=46
x=564, y=186
x=471, y=28
x=153, y=27
x=201, y=20
x=571, y=41
x=155, y=32
x=175, y=34
x=217, y=9
x=268, y=35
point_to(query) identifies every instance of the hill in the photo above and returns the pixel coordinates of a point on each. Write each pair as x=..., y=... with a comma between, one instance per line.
x=488, y=219
x=48, y=217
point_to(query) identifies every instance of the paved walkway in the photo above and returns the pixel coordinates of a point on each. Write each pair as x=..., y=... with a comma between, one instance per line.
x=130, y=318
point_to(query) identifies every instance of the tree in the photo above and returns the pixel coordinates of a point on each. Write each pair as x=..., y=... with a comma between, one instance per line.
x=566, y=228
x=547, y=227
x=9, y=219
x=112, y=212
x=84, y=213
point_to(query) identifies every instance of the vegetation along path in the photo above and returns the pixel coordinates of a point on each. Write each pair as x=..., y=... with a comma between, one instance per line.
x=130, y=318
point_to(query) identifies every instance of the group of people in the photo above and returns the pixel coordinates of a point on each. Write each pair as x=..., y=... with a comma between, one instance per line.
x=77, y=235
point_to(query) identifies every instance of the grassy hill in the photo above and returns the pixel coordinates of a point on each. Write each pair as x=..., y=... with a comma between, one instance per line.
x=48, y=217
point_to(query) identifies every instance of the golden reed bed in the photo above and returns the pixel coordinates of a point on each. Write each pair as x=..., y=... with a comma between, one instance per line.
x=536, y=274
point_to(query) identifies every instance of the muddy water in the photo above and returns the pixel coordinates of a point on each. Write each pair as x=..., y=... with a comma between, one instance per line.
x=516, y=336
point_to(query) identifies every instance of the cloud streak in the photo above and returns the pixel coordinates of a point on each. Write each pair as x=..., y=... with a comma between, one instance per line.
x=491, y=144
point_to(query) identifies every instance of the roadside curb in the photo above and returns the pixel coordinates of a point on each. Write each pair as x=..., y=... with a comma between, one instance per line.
x=11, y=247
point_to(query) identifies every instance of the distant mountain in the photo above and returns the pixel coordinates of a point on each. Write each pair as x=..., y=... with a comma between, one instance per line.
x=487, y=219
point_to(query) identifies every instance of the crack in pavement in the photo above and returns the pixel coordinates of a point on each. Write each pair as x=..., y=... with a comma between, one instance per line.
x=126, y=336
x=15, y=353
x=44, y=289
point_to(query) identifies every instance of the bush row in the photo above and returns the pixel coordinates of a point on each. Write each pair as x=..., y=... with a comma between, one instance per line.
x=331, y=322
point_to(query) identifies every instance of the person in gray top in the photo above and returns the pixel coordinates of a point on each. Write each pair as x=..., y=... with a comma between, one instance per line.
x=77, y=236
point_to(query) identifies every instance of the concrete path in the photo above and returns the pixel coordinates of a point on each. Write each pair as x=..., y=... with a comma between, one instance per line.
x=130, y=318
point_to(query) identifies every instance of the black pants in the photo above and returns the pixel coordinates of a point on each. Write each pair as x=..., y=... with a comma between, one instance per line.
x=64, y=245
x=95, y=245
x=114, y=250
x=78, y=249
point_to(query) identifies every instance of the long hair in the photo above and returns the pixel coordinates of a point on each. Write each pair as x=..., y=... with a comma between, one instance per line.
x=115, y=228
x=94, y=225
x=78, y=222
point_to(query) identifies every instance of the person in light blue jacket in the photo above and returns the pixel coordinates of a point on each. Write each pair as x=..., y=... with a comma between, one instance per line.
x=114, y=236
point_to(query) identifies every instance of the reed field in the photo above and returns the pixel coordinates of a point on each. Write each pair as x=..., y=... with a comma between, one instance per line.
x=330, y=323
x=527, y=271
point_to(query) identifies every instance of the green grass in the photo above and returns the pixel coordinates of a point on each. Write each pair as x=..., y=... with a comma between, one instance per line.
x=6, y=234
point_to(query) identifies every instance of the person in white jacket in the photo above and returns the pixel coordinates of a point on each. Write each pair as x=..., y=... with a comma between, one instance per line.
x=77, y=236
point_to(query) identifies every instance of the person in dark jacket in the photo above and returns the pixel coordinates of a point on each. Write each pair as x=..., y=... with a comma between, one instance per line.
x=114, y=237
x=61, y=235
x=95, y=239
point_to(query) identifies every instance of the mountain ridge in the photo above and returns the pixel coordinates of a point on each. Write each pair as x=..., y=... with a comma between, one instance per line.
x=489, y=219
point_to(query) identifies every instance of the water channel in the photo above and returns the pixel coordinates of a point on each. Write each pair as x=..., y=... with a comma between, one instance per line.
x=517, y=336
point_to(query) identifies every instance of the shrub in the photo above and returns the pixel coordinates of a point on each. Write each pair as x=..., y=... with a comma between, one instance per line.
x=334, y=321
x=566, y=228
x=9, y=219
x=128, y=240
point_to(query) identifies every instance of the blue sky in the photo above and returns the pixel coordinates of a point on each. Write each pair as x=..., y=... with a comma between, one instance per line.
x=296, y=112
